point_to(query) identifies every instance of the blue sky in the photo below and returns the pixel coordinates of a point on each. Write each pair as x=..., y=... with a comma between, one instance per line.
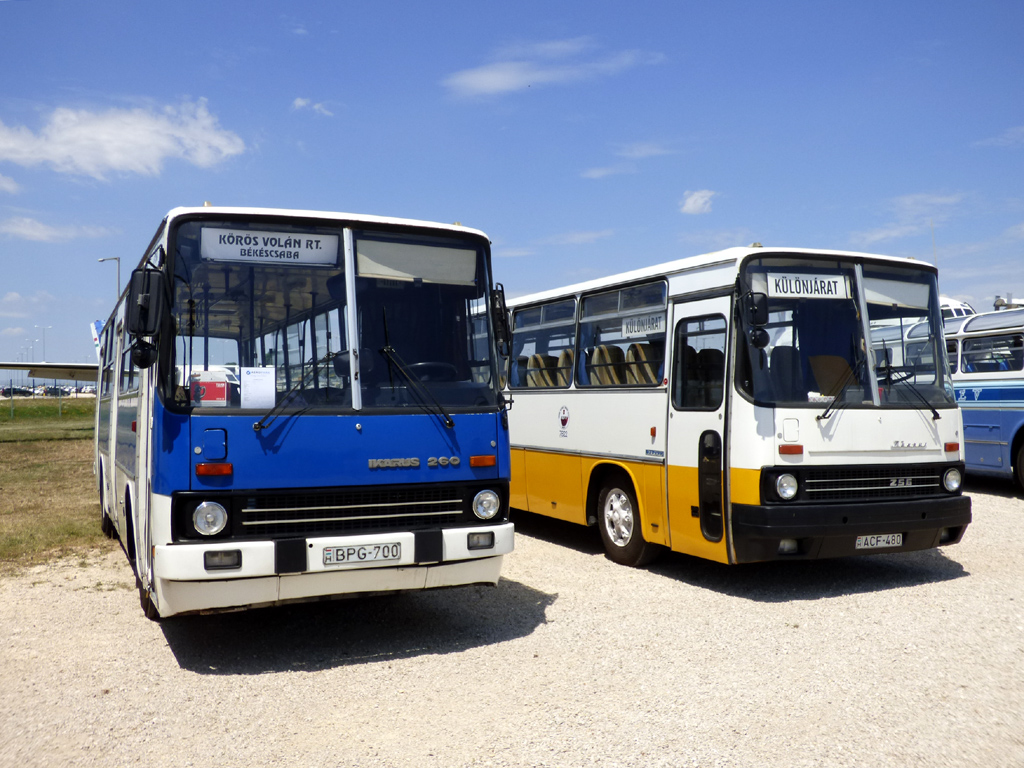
x=585, y=138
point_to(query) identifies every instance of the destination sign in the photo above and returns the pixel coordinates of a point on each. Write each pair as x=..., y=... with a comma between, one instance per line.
x=254, y=246
x=797, y=286
x=642, y=325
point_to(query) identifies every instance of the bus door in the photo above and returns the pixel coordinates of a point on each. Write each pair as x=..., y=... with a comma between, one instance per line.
x=696, y=428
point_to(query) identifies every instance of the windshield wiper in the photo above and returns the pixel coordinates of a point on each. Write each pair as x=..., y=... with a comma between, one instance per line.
x=417, y=386
x=852, y=374
x=890, y=379
x=272, y=414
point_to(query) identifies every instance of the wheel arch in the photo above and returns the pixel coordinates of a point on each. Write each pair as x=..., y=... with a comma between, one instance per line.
x=599, y=474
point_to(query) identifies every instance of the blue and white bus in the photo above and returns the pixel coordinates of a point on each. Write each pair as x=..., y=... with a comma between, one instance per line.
x=297, y=404
x=986, y=356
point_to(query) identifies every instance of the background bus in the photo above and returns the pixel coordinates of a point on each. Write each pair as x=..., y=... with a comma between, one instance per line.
x=986, y=355
x=296, y=404
x=740, y=406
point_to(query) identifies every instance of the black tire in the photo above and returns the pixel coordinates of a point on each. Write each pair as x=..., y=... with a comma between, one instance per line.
x=618, y=520
x=1018, y=469
x=105, y=525
x=146, y=602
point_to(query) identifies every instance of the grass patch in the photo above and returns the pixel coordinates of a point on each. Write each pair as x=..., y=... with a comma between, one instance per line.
x=49, y=506
x=46, y=418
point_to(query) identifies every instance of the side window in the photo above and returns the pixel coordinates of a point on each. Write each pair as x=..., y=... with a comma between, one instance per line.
x=951, y=354
x=107, y=350
x=622, y=337
x=993, y=354
x=129, y=373
x=542, y=345
x=698, y=368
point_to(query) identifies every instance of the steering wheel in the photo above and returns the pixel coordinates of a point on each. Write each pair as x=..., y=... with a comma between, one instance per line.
x=433, y=371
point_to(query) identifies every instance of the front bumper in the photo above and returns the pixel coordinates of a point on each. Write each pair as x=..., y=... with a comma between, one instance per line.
x=273, y=572
x=831, y=530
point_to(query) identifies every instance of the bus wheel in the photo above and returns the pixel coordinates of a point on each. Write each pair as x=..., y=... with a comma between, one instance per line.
x=146, y=602
x=1020, y=466
x=105, y=525
x=618, y=519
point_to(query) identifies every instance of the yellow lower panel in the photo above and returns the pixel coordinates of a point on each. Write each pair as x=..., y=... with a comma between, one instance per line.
x=517, y=486
x=554, y=486
x=746, y=486
x=686, y=534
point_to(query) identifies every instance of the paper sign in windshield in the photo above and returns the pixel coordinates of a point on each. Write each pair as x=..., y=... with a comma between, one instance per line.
x=259, y=387
x=268, y=247
x=807, y=286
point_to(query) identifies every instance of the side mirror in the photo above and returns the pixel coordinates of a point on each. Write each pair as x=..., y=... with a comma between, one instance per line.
x=759, y=338
x=147, y=302
x=755, y=306
x=499, y=313
x=144, y=354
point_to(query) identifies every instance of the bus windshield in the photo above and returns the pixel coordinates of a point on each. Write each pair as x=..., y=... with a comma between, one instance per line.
x=266, y=316
x=842, y=334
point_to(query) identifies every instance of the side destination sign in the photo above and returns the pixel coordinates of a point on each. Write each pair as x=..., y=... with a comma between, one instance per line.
x=642, y=325
x=789, y=286
x=250, y=246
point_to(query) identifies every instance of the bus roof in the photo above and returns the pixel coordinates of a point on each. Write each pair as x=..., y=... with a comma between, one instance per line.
x=214, y=211
x=723, y=258
x=1006, y=319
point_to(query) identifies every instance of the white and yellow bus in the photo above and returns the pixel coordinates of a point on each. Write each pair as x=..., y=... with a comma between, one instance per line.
x=740, y=406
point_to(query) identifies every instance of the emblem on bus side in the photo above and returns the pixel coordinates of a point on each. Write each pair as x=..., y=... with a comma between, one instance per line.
x=391, y=463
x=563, y=419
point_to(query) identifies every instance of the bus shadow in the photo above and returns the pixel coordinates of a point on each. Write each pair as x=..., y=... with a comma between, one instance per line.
x=993, y=486
x=576, y=537
x=336, y=633
x=783, y=582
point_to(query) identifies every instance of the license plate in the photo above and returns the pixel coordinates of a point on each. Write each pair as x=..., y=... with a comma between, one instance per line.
x=880, y=542
x=362, y=553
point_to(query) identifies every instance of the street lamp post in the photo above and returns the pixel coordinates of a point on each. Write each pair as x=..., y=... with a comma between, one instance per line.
x=44, y=329
x=118, y=260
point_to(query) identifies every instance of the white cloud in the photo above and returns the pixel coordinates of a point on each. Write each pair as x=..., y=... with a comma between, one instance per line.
x=513, y=253
x=697, y=202
x=24, y=228
x=911, y=215
x=580, y=238
x=12, y=332
x=121, y=140
x=1011, y=137
x=643, y=149
x=13, y=304
x=319, y=107
x=610, y=170
x=8, y=185
x=528, y=65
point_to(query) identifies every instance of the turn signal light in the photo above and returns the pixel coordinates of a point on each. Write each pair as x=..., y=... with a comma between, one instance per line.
x=952, y=447
x=483, y=461
x=220, y=469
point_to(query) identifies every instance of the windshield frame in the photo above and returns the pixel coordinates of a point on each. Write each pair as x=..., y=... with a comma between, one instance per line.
x=343, y=302
x=861, y=384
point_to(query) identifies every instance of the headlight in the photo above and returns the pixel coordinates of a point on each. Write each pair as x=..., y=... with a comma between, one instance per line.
x=486, y=505
x=952, y=479
x=785, y=486
x=210, y=518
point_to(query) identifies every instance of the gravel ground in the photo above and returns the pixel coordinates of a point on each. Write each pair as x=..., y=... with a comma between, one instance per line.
x=903, y=660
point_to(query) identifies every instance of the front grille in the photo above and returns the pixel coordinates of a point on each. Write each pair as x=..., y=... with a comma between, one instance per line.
x=301, y=512
x=348, y=511
x=857, y=483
